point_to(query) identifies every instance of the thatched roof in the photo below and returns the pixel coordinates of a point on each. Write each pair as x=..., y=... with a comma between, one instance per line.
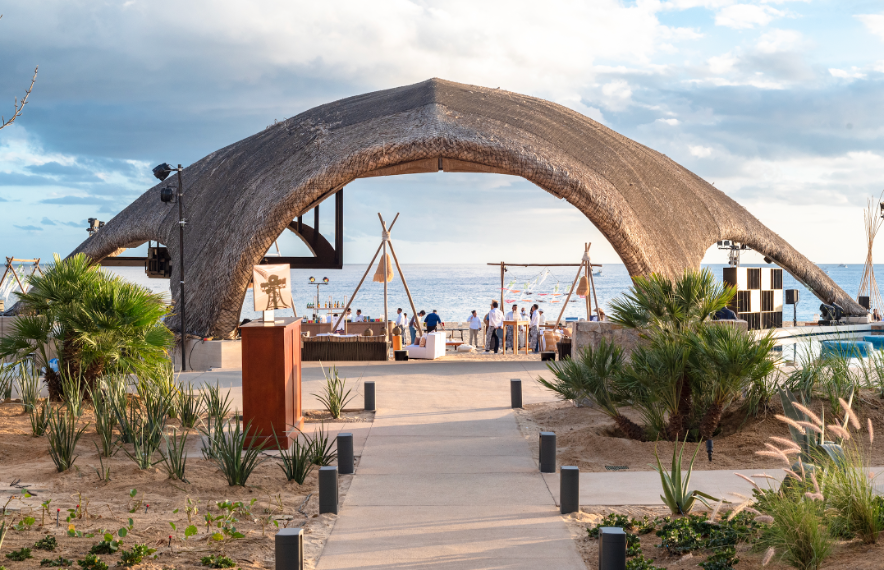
x=658, y=216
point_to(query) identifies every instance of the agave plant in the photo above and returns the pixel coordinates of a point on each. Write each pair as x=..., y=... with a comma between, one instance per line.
x=334, y=395
x=594, y=376
x=675, y=483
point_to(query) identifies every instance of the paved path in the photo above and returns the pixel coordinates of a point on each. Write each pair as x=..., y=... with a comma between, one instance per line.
x=446, y=480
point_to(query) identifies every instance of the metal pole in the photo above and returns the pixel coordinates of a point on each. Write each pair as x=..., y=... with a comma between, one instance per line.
x=181, y=222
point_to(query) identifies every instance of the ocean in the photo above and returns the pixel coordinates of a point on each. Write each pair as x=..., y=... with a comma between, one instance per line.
x=455, y=290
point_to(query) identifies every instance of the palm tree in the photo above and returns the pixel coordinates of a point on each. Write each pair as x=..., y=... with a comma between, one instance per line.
x=730, y=360
x=97, y=322
x=656, y=304
x=664, y=312
x=594, y=376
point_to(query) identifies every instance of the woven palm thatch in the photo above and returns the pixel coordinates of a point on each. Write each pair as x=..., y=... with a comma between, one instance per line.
x=657, y=215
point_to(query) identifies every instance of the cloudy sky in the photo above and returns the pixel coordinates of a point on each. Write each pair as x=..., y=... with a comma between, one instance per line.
x=777, y=102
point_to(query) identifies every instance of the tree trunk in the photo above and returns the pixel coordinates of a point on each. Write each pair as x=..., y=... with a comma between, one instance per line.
x=53, y=385
x=710, y=421
x=630, y=428
x=674, y=427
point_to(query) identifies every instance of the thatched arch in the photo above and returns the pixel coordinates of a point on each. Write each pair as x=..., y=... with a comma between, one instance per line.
x=657, y=215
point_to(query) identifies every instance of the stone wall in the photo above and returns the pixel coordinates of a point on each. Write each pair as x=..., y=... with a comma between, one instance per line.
x=590, y=333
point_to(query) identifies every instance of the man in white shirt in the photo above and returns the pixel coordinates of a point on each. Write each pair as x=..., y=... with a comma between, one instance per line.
x=534, y=331
x=358, y=318
x=523, y=316
x=495, y=323
x=541, y=318
x=475, y=326
x=400, y=319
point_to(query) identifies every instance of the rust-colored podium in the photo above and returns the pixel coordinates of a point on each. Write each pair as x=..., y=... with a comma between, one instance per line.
x=271, y=379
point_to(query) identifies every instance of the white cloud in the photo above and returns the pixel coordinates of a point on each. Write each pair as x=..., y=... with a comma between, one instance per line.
x=854, y=73
x=874, y=23
x=744, y=16
x=700, y=151
x=777, y=41
x=616, y=95
x=670, y=122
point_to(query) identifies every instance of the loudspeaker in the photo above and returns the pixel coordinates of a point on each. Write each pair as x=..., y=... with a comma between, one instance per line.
x=791, y=296
x=864, y=302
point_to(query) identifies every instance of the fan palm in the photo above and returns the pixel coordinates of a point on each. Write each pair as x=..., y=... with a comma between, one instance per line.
x=657, y=370
x=96, y=321
x=594, y=376
x=659, y=304
x=730, y=360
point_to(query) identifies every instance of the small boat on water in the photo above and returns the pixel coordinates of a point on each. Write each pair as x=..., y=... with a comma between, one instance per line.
x=597, y=272
x=842, y=265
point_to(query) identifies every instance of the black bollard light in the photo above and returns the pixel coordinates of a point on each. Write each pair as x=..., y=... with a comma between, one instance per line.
x=369, y=396
x=346, y=462
x=612, y=548
x=289, y=547
x=569, y=489
x=547, y=452
x=516, y=393
x=328, y=490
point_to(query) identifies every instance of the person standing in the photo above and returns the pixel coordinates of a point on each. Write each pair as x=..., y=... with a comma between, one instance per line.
x=523, y=316
x=475, y=326
x=432, y=321
x=358, y=318
x=400, y=319
x=513, y=315
x=495, y=323
x=412, y=326
x=534, y=329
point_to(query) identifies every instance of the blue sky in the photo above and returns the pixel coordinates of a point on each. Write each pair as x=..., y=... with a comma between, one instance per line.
x=776, y=102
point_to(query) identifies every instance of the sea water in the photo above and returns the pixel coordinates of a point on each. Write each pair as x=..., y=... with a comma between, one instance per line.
x=455, y=290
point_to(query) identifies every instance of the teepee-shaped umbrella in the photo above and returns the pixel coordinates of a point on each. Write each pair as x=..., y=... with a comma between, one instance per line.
x=384, y=265
x=385, y=269
x=585, y=286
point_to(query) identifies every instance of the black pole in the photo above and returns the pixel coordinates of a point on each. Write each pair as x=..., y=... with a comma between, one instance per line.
x=181, y=223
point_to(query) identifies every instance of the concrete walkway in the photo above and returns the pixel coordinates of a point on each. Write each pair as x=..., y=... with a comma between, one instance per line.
x=446, y=480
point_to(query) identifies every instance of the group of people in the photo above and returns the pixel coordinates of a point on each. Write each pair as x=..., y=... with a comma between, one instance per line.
x=493, y=322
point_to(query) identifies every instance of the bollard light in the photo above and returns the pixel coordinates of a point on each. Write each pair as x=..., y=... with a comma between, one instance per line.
x=569, y=489
x=369, y=396
x=346, y=461
x=612, y=548
x=328, y=490
x=547, y=452
x=516, y=393
x=289, y=547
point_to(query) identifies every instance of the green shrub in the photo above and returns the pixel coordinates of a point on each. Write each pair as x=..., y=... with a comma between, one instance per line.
x=136, y=555
x=217, y=561
x=799, y=529
x=19, y=555
x=92, y=562
x=175, y=456
x=334, y=395
x=39, y=419
x=641, y=563
x=297, y=459
x=63, y=437
x=105, y=547
x=189, y=406
x=321, y=447
x=60, y=561
x=234, y=459
x=48, y=542
x=724, y=559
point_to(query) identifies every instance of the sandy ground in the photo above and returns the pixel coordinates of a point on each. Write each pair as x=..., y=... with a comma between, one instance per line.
x=853, y=555
x=26, y=459
x=589, y=439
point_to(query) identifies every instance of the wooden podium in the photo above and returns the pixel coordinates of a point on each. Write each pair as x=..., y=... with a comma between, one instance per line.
x=271, y=379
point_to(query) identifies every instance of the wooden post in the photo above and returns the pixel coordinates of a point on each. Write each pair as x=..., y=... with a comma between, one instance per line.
x=568, y=298
x=407, y=291
x=386, y=319
x=592, y=284
x=586, y=272
x=502, y=271
x=364, y=275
